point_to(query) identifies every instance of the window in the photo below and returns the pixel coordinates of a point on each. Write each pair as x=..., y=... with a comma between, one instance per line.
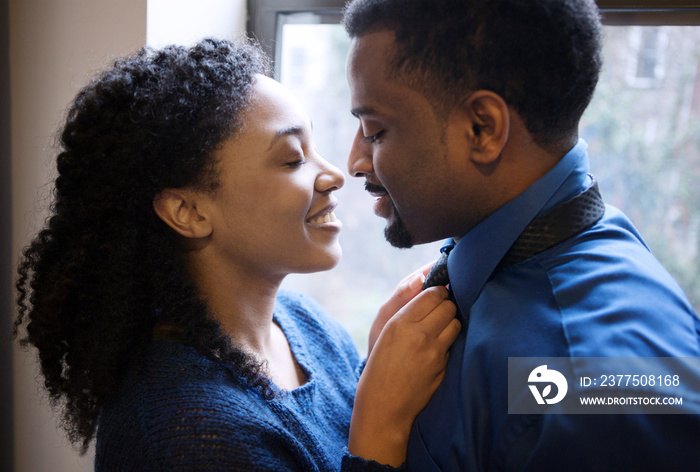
x=646, y=57
x=643, y=129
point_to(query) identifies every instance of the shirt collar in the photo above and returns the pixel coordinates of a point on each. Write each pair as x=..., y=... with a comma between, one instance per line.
x=478, y=253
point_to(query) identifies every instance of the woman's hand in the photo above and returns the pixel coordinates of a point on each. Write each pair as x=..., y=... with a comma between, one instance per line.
x=408, y=288
x=403, y=371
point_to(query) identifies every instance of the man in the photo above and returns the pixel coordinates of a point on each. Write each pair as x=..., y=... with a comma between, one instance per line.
x=469, y=114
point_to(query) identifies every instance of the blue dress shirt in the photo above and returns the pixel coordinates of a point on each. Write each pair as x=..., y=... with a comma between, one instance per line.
x=600, y=293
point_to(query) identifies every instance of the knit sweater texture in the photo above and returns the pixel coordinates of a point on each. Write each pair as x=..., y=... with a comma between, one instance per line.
x=182, y=411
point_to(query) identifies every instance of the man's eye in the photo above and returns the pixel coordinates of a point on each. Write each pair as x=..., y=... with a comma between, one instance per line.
x=374, y=137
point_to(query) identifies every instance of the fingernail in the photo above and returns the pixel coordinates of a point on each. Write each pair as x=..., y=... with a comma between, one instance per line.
x=417, y=281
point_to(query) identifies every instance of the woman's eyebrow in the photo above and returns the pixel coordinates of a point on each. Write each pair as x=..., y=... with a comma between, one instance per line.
x=292, y=130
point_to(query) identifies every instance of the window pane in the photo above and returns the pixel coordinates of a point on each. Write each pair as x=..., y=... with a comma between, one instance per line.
x=643, y=128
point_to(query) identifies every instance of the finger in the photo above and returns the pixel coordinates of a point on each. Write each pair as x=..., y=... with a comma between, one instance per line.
x=422, y=304
x=449, y=335
x=411, y=286
x=423, y=270
x=405, y=291
x=426, y=268
x=408, y=288
x=439, y=318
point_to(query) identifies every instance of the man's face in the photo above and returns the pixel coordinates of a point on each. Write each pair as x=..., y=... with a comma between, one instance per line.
x=401, y=148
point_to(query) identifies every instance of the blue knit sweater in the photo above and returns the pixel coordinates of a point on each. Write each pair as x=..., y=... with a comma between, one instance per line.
x=180, y=411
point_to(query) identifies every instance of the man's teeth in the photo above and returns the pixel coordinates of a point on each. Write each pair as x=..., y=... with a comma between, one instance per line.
x=327, y=218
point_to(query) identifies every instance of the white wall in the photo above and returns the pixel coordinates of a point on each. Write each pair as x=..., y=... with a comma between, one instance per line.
x=55, y=46
x=186, y=21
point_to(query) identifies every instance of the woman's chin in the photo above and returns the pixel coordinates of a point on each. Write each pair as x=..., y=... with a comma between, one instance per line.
x=328, y=260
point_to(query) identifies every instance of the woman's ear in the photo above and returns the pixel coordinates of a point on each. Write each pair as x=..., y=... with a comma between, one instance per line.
x=486, y=120
x=181, y=210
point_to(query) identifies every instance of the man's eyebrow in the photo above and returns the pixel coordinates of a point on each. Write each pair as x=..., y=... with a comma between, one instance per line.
x=359, y=111
x=292, y=130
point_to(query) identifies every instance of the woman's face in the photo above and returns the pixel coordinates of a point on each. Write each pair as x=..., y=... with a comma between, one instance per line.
x=272, y=213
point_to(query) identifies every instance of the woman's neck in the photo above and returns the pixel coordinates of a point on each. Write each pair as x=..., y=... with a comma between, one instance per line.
x=243, y=302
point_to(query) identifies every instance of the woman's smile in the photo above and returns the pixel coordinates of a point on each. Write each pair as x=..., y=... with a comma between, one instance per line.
x=326, y=218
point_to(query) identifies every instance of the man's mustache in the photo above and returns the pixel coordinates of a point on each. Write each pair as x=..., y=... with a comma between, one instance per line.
x=374, y=188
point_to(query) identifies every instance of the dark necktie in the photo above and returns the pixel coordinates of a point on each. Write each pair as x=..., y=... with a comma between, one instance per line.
x=557, y=225
x=545, y=231
x=438, y=272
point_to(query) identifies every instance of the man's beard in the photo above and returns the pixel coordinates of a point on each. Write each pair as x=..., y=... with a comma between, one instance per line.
x=396, y=232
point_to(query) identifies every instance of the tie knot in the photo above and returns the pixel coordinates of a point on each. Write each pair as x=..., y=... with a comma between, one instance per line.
x=438, y=272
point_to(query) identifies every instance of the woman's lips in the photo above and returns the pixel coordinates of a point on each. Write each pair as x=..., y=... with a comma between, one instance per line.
x=325, y=218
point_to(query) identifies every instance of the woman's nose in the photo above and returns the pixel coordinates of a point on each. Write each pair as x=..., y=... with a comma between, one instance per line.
x=330, y=178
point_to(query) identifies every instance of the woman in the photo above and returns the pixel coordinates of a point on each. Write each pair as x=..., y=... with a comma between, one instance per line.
x=188, y=187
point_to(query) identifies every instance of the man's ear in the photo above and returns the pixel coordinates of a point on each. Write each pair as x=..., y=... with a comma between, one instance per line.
x=180, y=209
x=486, y=121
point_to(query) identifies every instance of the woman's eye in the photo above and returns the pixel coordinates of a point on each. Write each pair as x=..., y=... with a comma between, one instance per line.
x=296, y=163
x=374, y=137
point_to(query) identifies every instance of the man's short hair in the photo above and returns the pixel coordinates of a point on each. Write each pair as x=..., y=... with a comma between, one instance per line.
x=542, y=56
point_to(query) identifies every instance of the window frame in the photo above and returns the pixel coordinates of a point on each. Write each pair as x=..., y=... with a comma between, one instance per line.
x=263, y=17
x=650, y=12
x=263, y=14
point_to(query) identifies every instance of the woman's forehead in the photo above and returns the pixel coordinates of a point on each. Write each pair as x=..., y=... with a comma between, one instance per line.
x=272, y=109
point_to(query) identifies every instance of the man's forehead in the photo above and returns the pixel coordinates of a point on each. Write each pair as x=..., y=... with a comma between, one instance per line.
x=374, y=90
x=374, y=48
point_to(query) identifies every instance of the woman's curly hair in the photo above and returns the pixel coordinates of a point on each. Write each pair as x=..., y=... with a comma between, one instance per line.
x=105, y=268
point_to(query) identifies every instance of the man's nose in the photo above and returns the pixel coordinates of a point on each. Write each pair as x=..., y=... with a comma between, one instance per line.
x=360, y=157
